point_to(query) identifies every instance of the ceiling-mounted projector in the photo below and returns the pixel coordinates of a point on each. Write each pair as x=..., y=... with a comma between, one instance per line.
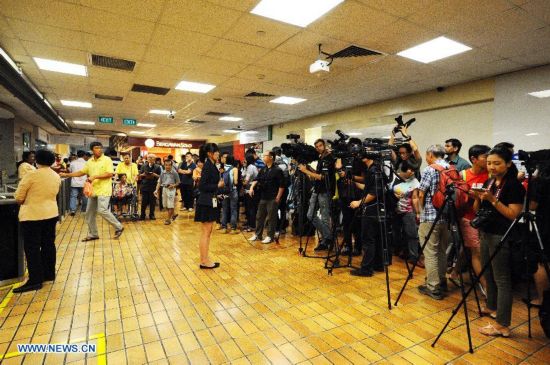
x=319, y=65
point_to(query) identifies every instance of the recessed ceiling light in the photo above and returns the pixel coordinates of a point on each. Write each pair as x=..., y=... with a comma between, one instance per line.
x=354, y=134
x=541, y=94
x=195, y=87
x=80, y=104
x=532, y=134
x=434, y=50
x=146, y=125
x=121, y=134
x=230, y=131
x=137, y=132
x=230, y=119
x=59, y=66
x=289, y=100
x=84, y=122
x=162, y=112
x=300, y=13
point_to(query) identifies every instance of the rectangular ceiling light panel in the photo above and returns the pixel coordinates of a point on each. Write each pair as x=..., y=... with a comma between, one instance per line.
x=434, y=50
x=78, y=104
x=541, y=94
x=231, y=119
x=195, y=87
x=289, y=100
x=84, y=122
x=295, y=12
x=146, y=125
x=59, y=66
x=161, y=112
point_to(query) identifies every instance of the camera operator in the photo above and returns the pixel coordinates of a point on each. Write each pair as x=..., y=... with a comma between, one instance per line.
x=271, y=183
x=321, y=197
x=348, y=192
x=281, y=162
x=540, y=203
x=372, y=253
x=406, y=152
x=502, y=199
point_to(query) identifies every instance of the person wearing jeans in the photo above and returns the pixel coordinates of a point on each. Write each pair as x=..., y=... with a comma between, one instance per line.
x=251, y=201
x=38, y=216
x=77, y=184
x=230, y=203
x=435, y=258
x=100, y=171
x=272, y=186
x=324, y=188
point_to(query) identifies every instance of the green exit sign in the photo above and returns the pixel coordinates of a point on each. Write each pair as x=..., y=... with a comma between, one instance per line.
x=107, y=120
x=129, y=121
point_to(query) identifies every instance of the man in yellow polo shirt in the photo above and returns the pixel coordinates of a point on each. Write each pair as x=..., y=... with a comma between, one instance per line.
x=99, y=169
x=129, y=168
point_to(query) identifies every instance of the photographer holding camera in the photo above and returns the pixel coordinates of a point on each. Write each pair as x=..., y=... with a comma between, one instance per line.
x=500, y=201
x=405, y=152
x=324, y=175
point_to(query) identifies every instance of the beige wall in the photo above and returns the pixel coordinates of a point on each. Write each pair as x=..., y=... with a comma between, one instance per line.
x=463, y=111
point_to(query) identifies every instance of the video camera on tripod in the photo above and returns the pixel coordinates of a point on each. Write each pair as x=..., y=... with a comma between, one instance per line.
x=299, y=151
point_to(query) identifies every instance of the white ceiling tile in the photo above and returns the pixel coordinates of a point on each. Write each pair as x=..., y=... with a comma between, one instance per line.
x=48, y=35
x=199, y=16
x=538, y=9
x=400, y=8
x=235, y=51
x=260, y=31
x=114, y=47
x=147, y=10
x=305, y=44
x=55, y=53
x=181, y=41
x=47, y=12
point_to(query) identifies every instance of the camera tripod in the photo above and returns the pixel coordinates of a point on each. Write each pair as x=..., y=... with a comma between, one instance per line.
x=335, y=263
x=456, y=234
x=529, y=221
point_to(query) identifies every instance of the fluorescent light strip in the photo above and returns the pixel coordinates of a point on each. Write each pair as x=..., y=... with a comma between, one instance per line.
x=251, y=132
x=146, y=125
x=353, y=134
x=160, y=111
x=532, y=134
x=59, y=66
x=300, y=13
x=230, y=119
x=231, y=131
x=79, y=104
x=137, y=132
x=83, y=122
x=541, y=94
x=434, y=50
x=195, y=87
x=288, y=100
x=121, y=134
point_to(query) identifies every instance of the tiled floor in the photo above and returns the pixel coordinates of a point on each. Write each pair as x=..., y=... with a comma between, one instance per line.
x=145, y=300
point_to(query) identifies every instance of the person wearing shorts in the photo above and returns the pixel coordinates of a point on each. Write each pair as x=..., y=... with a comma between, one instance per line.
x=169, y=180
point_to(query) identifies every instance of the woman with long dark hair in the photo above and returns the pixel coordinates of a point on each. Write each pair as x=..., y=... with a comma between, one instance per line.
x=503, y=198
x=207, y=204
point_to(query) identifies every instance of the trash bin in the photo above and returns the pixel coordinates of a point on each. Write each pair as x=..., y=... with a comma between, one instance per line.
x=12, y=260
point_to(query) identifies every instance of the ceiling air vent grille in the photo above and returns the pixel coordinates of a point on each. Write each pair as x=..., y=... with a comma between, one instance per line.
x=217, y=114
x=111, y=62
x=195, y=121
x=255, y=94
x=108, y=97
x=214, y=134
x=354, y=51
x=150, y=89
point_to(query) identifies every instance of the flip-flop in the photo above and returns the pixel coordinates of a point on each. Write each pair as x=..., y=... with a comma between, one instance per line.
x=90, y=239
x=490, y=330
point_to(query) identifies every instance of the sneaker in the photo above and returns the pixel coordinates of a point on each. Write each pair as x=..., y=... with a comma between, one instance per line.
x=267, y=240
x=435, y=294
x=361, y=272
x=190, y=209
x=254, y=238
x=167, y=222
x=183, y=209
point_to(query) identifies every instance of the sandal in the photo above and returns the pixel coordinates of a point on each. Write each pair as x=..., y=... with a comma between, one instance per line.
x=90, y=238
x=490, y=330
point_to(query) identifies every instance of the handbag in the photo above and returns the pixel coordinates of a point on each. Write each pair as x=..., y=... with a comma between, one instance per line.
x=88, y=189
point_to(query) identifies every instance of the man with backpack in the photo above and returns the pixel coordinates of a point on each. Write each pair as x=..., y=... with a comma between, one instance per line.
x=230, y=203
x=435, y=259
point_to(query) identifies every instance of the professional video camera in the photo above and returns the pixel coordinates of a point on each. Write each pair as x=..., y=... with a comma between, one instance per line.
x=539, y=159
x=344, y=147
x=377, y=149
x=301, y=152
x=403, y=125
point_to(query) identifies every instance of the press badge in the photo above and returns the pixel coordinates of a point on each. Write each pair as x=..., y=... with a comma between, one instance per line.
x=215, y=202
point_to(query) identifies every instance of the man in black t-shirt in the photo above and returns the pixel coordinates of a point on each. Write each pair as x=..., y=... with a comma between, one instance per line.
x=324, y=186
x=185, y=171
x=271, y=182
x=149, y=174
